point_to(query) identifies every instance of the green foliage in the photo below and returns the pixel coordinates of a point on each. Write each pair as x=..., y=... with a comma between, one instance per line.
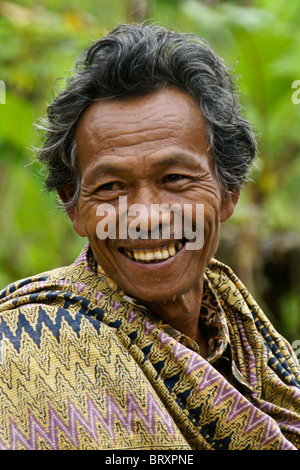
x=40, y=42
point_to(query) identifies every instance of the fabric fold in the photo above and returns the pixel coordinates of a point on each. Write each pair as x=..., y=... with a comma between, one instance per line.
x=84, y=367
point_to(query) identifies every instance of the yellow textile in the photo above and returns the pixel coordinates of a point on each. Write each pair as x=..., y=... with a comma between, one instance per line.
x=82, y=367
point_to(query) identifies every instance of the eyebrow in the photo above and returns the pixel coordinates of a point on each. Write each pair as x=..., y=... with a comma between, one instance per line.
x=174, y=160
x=107, y=168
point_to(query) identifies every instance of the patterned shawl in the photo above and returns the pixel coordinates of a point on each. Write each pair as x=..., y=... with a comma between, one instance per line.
x=84, y=367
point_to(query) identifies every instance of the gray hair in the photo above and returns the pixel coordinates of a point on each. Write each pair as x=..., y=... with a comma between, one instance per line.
x=134, y=60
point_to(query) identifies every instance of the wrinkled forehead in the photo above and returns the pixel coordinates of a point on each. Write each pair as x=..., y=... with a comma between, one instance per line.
x=166, y=117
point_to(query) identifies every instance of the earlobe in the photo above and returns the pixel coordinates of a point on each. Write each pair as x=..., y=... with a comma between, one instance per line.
x=229, y=201
x=65, y=195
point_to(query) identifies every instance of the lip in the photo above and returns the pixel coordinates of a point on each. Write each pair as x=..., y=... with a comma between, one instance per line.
x=146, y=244
x=155, y=265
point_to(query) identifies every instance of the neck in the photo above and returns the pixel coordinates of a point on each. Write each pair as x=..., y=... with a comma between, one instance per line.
x=182, y=313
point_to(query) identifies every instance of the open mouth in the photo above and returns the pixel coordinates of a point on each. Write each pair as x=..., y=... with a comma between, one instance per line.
x=154, y=256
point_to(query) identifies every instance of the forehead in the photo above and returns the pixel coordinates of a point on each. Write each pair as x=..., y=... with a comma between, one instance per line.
x=144, y=126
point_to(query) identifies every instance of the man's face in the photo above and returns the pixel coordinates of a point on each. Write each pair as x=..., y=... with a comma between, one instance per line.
x=153, y=150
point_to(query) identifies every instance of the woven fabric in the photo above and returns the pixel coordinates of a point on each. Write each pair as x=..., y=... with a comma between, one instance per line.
x=82, y=367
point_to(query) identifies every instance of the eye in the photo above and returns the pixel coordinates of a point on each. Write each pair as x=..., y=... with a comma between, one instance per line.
x=111, y=186
x=173, y=178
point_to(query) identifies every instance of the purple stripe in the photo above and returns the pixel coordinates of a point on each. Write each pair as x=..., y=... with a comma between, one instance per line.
x=113, y=411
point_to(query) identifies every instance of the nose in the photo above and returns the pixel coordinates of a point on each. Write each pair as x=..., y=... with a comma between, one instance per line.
x=148, y=215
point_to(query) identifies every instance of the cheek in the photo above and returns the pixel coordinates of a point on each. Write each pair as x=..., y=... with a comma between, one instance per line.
x=89, y=218
x=211, y=227
x=97, y=223
x=212, y=208
x=208, y=211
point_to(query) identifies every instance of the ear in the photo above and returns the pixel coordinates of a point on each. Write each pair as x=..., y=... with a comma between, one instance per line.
x=65, y=195
x=229, y=201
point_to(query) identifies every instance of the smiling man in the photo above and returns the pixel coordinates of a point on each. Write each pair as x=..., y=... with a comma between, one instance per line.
x=146, y=341
x=169, y=163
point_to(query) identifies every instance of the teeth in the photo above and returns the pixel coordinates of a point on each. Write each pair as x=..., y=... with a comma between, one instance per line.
x=156, y=255
x=149, y=255
x=172, y=250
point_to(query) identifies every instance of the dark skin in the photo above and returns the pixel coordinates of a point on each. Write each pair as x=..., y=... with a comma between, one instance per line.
x=153, y=150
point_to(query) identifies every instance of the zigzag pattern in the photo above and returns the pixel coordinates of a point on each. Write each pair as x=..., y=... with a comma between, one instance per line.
x=58, y=345
x=254, y=419
x=44, y=319
x=95, y=418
